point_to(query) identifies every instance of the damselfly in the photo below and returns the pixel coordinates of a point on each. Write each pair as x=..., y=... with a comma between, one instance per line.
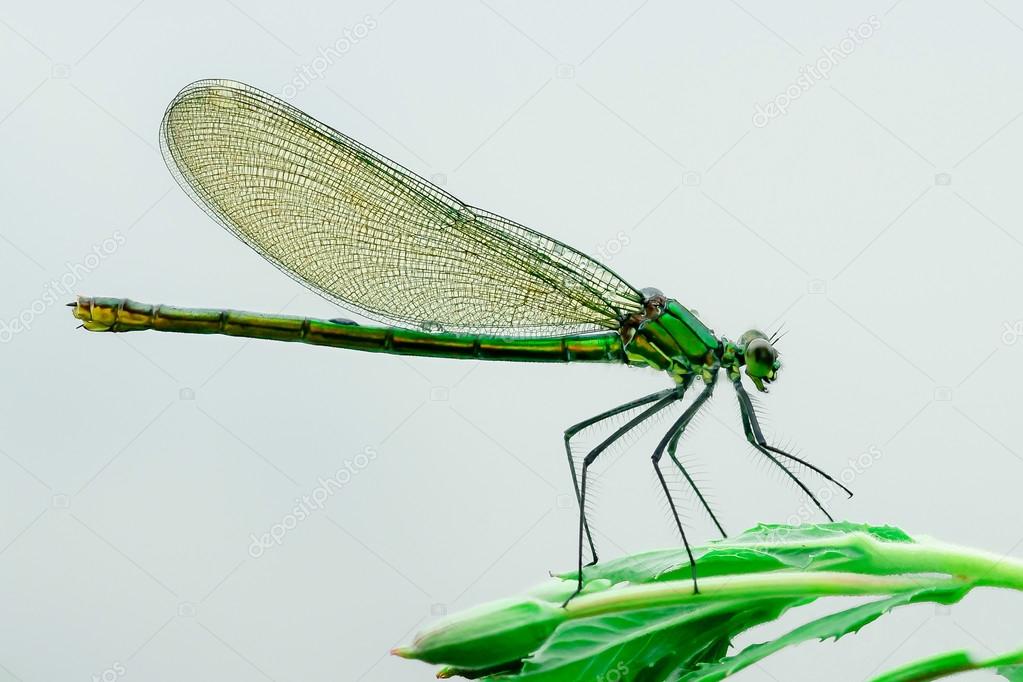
x=448, y=279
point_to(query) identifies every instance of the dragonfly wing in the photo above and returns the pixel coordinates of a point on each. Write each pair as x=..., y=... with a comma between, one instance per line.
x=371, y=235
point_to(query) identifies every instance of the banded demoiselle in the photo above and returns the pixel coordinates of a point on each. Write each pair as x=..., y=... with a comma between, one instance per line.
x=448, y=279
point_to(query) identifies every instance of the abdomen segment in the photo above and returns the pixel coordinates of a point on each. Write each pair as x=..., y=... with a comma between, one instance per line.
x=123, y=315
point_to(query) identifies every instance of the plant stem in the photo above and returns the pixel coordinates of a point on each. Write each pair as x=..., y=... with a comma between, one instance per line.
x=908, y=566
x=929, y=555
x=808, y=585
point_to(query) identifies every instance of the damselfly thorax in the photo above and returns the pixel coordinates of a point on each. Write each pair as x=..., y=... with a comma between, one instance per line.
x=669, y=337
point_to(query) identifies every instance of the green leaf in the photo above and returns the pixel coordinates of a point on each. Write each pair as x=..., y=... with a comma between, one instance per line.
x=835, y=625
x=773, y=532
x=1009, y=666
x=1013, y=673
x=766, y=547
x=639, y=620
x=488, y=636
x=624, y=646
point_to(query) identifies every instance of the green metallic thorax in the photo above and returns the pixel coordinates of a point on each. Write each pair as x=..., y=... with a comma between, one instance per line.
x=675, y=341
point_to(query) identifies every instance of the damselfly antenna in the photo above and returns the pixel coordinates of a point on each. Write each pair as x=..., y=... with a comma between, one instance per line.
x=778, y=333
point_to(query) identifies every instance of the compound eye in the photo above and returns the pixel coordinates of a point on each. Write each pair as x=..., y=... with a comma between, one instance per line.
x=760, y=358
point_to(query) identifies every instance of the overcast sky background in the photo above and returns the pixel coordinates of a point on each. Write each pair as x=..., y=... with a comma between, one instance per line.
x=875, y=211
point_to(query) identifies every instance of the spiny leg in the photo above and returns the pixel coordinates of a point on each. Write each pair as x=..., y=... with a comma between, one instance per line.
x=672, y=449
x=813, y=468
x=571, y=431
x=676, y=429
x=745, y=398
x=756, y=438
x=672, y=395
x=748, y=402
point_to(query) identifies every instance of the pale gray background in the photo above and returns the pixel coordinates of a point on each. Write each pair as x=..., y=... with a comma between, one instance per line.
x=879, y=219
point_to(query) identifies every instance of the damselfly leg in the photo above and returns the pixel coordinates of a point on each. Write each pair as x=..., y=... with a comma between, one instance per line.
x=755, y=436
x=671, y=396
x=676, y=430
x=672, y=449
x=571, y=431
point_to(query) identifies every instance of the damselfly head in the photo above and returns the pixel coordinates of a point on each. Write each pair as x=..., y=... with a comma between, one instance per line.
x=760, y=357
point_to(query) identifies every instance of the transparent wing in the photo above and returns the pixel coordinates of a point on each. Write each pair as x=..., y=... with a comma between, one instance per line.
x=371, y=235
